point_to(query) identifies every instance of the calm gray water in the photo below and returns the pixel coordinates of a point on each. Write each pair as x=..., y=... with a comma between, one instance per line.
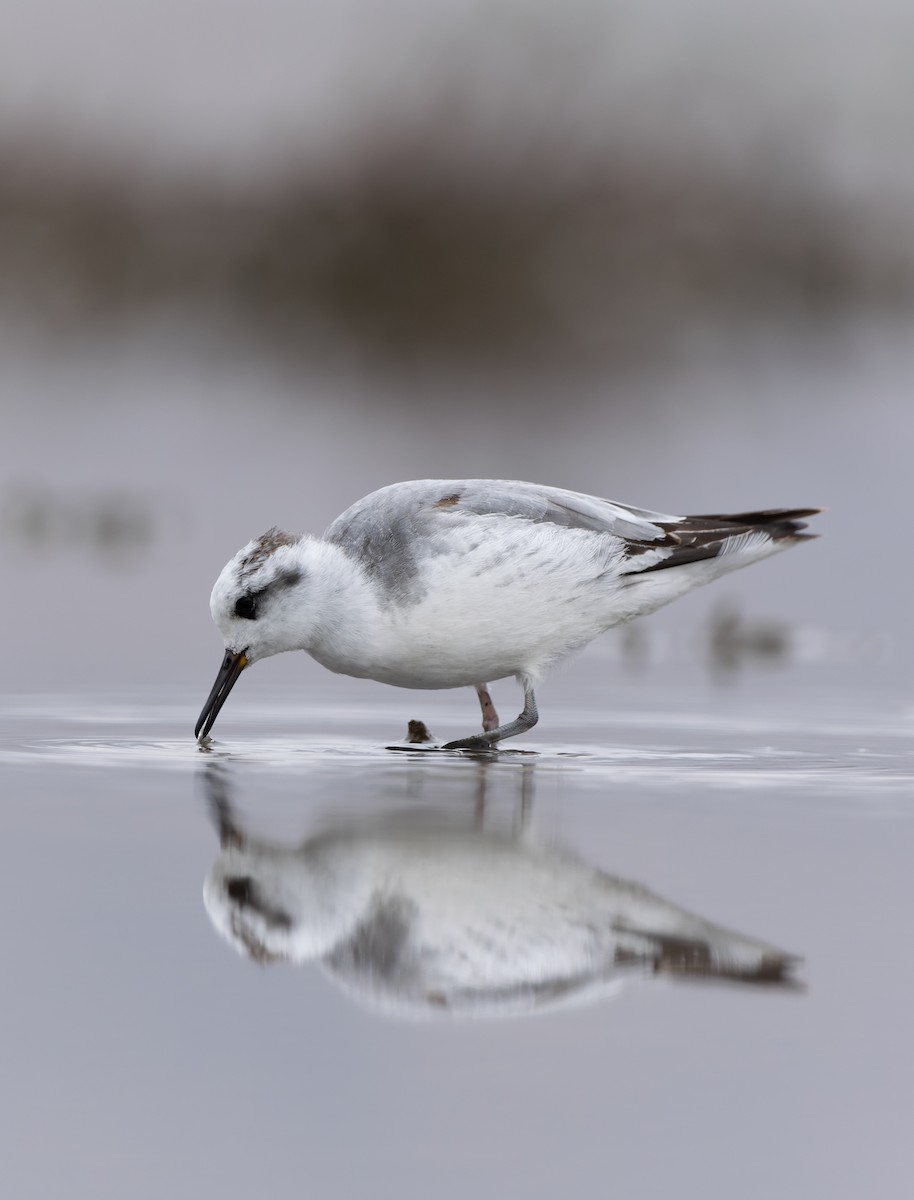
x=144, y=1056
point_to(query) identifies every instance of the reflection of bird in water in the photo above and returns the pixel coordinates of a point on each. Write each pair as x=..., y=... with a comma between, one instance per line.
x=453, y=583
x=411, y=913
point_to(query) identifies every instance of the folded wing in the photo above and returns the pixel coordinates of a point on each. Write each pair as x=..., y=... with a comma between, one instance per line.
x=393, y=529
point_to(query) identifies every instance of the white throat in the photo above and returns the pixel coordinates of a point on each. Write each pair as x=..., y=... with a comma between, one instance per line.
x=335, y=623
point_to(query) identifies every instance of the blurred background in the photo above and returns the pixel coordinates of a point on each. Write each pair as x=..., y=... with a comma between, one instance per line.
x=258, y=260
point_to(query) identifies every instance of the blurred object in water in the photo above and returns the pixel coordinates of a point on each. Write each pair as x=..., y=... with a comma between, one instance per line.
x=115, y=524
x=417, y=732
x=633, y=644
x=736, y=641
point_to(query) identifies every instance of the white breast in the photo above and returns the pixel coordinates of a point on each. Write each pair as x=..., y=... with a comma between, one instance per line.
x=509, y=597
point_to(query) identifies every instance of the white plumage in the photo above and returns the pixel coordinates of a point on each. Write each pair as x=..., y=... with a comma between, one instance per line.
x=452, y=583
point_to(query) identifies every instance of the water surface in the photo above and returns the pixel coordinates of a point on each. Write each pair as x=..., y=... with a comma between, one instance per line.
x=143, y=1054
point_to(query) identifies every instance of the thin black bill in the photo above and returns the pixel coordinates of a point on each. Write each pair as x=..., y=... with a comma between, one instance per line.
x=232, y=666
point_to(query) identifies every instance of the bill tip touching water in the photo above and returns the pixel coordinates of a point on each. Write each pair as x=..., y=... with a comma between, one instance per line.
x=436, y=584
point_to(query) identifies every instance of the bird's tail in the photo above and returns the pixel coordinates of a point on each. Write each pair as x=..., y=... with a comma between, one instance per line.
x=691, y=539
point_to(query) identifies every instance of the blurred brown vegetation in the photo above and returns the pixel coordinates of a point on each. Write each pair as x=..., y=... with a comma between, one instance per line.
x=413, y=253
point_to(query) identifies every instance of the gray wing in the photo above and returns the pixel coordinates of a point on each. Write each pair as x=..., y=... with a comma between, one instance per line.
x=393, y=529
x=535, y=502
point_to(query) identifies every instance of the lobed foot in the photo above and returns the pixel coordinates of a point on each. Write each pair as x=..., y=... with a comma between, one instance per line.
x=490, y=738
x=478, y=741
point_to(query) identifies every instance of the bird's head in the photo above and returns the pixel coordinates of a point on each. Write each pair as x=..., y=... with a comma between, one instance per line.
x=256, y=604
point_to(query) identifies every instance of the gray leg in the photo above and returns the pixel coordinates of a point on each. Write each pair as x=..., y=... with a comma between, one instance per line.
x=489, y=715
x=484, y=741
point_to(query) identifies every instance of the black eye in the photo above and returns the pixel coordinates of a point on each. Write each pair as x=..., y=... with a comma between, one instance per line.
x=240, y=889
x=246, y=607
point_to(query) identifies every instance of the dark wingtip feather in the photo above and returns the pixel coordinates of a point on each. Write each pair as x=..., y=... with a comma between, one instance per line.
x=778, y=523
x=762, y=516
x=701, y=537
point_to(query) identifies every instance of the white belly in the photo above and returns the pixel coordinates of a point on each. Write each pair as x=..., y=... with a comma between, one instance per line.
x=497, y=609
x=509, y=604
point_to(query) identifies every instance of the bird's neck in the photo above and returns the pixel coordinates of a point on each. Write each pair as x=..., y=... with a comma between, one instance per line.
x=343, y=608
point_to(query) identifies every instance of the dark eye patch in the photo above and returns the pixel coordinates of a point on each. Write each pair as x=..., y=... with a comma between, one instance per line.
x=246, y=607
x=240, y=889
x=244, y=891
